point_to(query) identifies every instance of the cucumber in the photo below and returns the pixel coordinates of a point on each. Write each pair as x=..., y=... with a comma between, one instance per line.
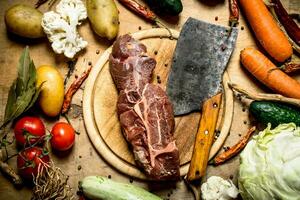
x=101, y=188
x=166, y=7
x=274, y=113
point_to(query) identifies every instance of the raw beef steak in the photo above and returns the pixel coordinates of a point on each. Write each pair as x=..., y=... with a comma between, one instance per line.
x=145, y=112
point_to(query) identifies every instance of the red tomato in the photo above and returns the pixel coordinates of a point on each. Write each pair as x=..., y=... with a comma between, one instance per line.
x=29, y=160
x=28, y=130
x=63, y=136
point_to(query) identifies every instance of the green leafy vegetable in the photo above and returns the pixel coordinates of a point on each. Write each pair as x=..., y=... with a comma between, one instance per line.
x=23, y=92
x=270, y=165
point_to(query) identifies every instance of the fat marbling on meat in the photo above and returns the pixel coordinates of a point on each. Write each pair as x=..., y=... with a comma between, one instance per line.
x=145, y=112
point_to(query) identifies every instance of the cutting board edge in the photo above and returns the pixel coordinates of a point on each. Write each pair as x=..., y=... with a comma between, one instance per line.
x=92, y=129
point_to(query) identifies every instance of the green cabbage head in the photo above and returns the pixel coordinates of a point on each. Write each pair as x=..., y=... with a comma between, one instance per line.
x=270, y=165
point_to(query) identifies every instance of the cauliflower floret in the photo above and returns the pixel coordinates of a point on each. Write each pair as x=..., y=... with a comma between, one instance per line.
x=216, y=188
x=61, y=27
x=73, y=11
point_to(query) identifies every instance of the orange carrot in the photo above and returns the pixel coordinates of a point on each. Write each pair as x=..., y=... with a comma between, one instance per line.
x=266, y=72
x=266, y=29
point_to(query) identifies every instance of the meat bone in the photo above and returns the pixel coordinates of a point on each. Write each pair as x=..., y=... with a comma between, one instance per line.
x=200, y=59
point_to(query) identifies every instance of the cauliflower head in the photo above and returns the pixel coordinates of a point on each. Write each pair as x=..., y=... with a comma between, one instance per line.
x=61, y=27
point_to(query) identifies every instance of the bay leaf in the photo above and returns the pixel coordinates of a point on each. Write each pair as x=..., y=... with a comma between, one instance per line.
x=32, y=76
x=23, y=92
x=10, y=101
x=23, y=69
x=21, y=104
x=34, y=97
x=9, y=105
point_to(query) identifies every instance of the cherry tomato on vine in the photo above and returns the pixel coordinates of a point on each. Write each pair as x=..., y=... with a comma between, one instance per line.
x=28, y=161
x=28, y=130
x=63, y=136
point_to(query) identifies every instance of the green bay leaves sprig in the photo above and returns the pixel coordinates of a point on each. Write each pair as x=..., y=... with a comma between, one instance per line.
x=23, y=92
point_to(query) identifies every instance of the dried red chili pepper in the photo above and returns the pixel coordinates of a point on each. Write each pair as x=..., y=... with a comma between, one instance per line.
x=139, y=9
x=41, y=2
x=290, y=68
x=295, y=16
x=234, y=150
x=144, y=12
x=234, y=13
x=288, y=23
x=73, y=88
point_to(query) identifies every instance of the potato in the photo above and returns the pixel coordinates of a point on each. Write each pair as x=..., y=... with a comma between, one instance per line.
x=25, y=21
x=52, y=94
x=104, y=17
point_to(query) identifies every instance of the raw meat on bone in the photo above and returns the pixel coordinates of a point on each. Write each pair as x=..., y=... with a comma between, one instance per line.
x=145, y=112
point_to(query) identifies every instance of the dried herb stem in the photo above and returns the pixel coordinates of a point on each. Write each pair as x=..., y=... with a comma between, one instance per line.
x=71, y=68
x=264, y=96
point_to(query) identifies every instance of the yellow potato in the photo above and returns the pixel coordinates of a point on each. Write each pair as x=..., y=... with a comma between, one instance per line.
x=25, y=21
x=104, y=17
x=52, y=94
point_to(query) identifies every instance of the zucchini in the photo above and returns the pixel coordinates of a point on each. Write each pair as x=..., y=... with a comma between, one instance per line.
x=274, y=113
x=101, y=188
x=167, y=7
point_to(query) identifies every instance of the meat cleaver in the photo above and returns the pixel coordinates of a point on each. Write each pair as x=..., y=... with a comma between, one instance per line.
x=195, y=81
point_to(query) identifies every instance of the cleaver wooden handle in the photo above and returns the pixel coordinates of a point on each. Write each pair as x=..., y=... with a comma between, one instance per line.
x=204, y=137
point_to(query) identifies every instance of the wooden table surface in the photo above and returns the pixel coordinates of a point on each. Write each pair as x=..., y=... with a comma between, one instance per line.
x=83, y=159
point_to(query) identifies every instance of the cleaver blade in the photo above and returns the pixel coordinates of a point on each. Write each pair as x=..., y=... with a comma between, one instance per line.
x=200, y=59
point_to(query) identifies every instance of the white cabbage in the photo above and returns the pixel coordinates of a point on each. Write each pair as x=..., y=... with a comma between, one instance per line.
x=270, y=165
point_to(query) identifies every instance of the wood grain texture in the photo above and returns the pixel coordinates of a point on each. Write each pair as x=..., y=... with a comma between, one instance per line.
x=100, y=112
x=83, y=159
x=204, y=137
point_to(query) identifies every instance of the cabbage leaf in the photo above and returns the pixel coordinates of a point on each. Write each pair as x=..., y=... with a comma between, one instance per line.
x=270, y=165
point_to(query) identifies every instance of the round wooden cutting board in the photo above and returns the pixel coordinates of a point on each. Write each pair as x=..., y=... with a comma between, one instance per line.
x=101, y=120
